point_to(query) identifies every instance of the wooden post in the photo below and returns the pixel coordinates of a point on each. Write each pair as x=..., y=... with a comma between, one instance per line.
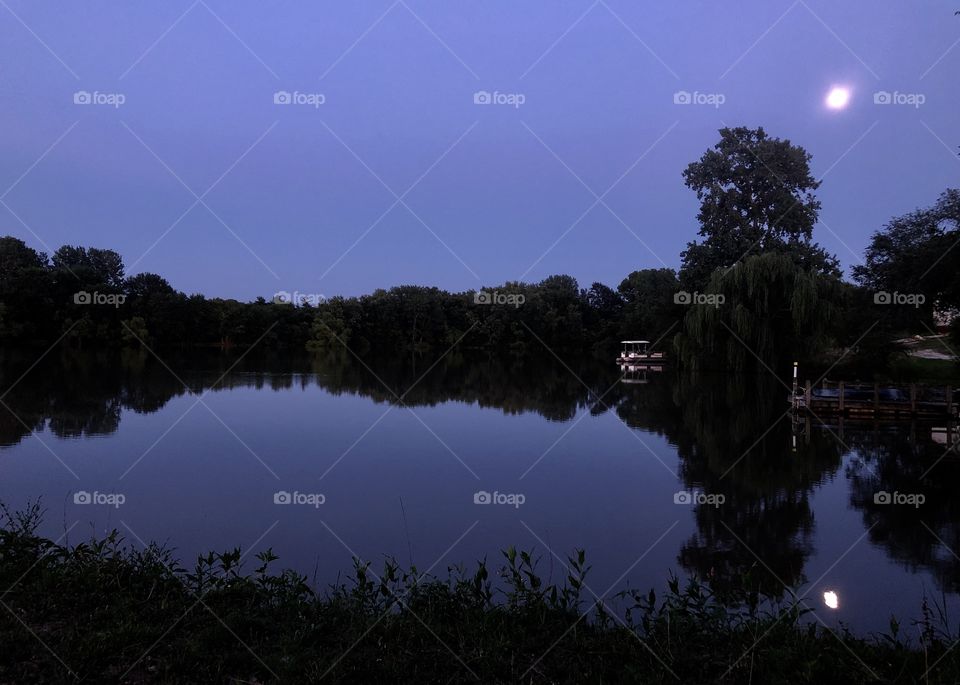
x=949, y=401
x=841, y=399
x=793, y=399
x=913, y=399
x=876, y=399
x=806, y=394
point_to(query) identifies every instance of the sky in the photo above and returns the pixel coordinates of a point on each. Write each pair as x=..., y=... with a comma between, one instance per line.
x=241, y=149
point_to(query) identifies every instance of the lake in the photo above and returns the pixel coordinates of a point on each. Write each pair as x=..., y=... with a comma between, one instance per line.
x=445, y=462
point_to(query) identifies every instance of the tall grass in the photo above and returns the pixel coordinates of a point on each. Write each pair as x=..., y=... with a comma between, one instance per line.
x=103, y=611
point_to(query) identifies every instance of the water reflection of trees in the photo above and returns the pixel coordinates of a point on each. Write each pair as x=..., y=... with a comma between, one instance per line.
x=733, y=438
x=547, y=387
x=910, y=462
x=76, y=394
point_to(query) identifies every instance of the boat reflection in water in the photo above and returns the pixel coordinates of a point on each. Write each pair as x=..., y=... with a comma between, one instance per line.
x=638, y=373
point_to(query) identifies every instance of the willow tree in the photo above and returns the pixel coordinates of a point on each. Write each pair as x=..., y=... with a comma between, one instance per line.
x=763, y=312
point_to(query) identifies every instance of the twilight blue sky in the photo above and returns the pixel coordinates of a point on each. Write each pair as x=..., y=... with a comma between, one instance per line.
x=301, y=197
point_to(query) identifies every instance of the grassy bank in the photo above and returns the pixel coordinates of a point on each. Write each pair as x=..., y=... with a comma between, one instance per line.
x=105, y=612
x=932, y=371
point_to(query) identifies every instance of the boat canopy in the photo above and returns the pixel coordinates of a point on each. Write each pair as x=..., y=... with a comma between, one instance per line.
x=634, y=342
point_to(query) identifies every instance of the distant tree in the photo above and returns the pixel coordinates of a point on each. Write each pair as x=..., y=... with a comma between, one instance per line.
x=97, y=265
x=604, y=300
x=332, y=327
x=146, y=285
x=135, y=332
x=650, y=307
x=756, y=195
x=16, y=255
x=555, y=311
x=25, y=293
x=152, y=299
x=80, y=330
x=603, y=316
x=864, y=330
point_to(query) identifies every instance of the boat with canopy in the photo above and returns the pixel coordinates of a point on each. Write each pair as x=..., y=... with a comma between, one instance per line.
x=638, y=351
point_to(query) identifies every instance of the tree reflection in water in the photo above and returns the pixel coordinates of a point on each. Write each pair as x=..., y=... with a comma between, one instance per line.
x=733, y=436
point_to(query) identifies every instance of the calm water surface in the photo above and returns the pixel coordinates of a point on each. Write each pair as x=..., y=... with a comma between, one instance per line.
x=200, y=451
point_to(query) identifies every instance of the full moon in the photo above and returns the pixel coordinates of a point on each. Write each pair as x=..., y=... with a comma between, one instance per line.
x=838, y=97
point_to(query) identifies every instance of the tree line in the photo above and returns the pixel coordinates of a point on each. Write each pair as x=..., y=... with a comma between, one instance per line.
x=753, y=288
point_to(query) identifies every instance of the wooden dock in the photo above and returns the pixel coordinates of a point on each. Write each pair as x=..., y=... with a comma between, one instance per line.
x=876, y=400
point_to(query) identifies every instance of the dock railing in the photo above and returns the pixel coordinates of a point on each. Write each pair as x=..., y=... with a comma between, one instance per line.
x=858, y=398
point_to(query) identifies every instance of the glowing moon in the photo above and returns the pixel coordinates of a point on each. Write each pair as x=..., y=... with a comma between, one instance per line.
x=838, y=97
x=831, y=599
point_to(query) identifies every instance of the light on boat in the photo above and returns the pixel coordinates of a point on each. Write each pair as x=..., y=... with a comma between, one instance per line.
x=831, y=599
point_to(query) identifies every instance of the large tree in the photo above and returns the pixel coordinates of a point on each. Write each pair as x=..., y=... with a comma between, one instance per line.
x=772, y=312
x=917, y=254
x=756, y=195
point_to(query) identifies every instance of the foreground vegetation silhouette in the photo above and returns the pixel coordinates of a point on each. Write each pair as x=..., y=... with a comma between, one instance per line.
x=104, y=611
